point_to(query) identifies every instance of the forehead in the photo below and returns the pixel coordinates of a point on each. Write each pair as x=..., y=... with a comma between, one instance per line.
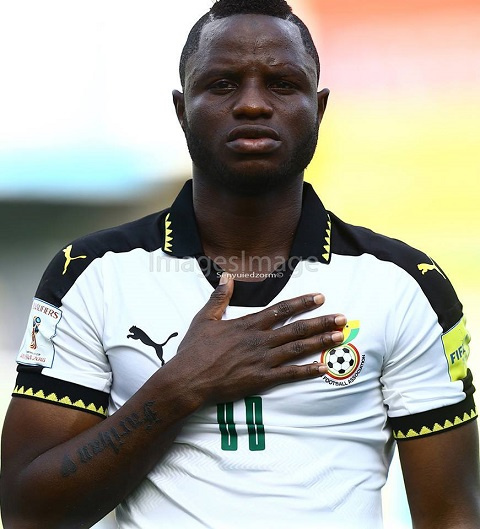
x=240, y=40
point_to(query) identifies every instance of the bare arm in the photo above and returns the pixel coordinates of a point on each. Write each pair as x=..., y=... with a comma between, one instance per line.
x=63, y=468
x=66, y=468
x=442, y=479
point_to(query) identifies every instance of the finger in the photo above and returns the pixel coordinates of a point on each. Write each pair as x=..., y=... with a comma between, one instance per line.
x=306, y=328
x=280, y=312
x=219, y=300
x=293, y=351
x=292, y=373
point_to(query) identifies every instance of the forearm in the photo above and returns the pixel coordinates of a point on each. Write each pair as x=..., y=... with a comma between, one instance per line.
x=88, y=475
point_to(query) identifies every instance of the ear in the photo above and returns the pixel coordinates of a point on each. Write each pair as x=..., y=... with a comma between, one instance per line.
x=322, y=98
x=179, y=103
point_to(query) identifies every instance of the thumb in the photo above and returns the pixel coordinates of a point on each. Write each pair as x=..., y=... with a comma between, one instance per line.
x=220, y=298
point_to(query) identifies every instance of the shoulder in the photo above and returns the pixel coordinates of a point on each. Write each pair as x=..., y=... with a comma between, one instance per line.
x=76, y=257
x=145, y=233
x=356, y=241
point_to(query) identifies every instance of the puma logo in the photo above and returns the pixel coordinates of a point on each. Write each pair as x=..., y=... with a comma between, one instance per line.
x=68, y=257
x=425, y=267
x=138, y=334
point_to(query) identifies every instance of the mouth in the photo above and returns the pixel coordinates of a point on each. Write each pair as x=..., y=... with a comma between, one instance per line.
x=253, y=139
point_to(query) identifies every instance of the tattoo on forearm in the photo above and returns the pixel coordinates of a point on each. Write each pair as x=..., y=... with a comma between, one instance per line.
x=112, y=439
x=68, y=466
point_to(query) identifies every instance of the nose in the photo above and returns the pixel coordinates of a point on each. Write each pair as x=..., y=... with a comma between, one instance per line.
x=252, y=101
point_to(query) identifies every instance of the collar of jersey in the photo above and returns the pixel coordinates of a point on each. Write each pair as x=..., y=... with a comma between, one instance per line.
x=311, y=242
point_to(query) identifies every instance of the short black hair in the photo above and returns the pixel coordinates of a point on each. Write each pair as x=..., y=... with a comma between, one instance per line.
x=227, y=8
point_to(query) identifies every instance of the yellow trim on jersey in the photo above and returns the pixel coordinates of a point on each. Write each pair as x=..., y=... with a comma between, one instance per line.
x=52, y=397
x=398, y=434
x=168, y=232
x=328, y=238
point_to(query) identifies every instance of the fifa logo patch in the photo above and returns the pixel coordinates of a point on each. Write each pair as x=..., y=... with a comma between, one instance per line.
x=344, y=361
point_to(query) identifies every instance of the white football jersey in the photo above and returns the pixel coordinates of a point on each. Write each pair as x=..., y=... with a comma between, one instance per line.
x=112, y=308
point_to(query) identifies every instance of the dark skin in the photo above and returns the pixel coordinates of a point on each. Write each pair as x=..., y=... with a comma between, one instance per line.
x=269, y=91
x=441, y=475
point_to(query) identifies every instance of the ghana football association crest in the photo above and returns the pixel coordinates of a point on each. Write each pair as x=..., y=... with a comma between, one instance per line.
x=344, y=361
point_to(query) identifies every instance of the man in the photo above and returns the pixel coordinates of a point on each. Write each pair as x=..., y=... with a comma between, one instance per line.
x=256, y=354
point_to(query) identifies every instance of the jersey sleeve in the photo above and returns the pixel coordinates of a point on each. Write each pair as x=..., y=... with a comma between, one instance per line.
x=61, y=359
x=427, y=385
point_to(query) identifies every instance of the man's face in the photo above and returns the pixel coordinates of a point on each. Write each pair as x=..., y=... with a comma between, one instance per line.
x=250, y=109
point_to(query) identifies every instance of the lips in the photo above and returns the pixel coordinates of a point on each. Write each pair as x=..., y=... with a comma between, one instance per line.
x=253, y=139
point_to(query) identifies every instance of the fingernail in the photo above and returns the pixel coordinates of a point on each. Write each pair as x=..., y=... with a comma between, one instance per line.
x=340, y=320
x=337, y=336
x=319, y=299
x=223, y=279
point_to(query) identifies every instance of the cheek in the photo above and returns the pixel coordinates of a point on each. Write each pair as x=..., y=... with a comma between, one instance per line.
x=301, y=122
x=307, y=112
x=205, y=115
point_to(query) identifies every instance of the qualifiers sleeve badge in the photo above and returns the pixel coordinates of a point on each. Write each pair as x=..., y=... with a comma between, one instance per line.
x=37, y=347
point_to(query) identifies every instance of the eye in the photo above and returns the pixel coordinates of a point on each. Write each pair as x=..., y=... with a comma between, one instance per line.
x=282, y=86
x=222, y=86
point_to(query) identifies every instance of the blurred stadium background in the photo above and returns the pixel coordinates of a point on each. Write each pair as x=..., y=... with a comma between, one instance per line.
x=89, y=139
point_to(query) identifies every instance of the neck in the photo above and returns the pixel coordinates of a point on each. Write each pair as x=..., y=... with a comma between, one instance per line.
x=247, y=233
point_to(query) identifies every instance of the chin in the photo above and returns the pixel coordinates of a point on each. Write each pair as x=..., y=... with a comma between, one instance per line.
x=252, y=183
x=252, y=178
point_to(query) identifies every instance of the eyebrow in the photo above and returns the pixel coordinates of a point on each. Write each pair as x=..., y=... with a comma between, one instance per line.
x=230, y=71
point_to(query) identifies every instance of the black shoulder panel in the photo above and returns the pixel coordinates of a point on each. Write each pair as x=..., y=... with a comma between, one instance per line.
x=356, y=240
x=70, y=262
